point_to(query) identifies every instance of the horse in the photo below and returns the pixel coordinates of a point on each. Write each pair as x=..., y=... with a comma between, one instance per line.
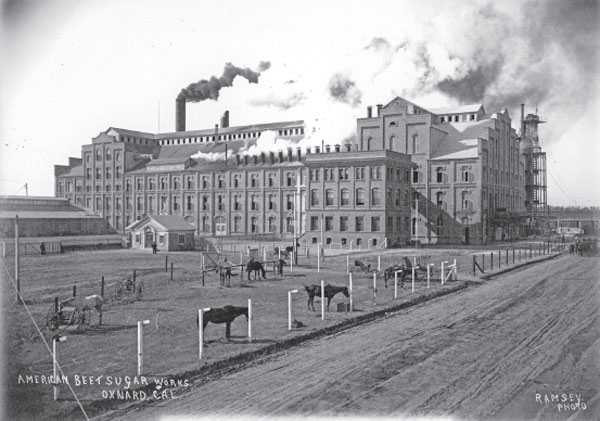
x=85, y=303
x=257, y=267
x=330, y=292
x=225, y=314
x=405, y=268
x=225, y=275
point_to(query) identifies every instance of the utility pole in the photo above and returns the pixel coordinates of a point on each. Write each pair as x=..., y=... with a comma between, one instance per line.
x=416, y=222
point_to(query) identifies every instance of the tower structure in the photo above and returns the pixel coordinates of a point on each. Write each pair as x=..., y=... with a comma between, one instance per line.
x=536, y=199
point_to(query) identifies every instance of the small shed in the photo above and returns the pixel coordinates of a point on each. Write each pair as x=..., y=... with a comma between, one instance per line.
x=171, y=233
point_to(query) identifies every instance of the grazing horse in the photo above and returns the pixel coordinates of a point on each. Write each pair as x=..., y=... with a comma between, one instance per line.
x=85, y=303
x=258, y=268
x=225, y=314
x=330, y=291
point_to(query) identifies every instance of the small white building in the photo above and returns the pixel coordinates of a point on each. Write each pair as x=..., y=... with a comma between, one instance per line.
x=171, y=233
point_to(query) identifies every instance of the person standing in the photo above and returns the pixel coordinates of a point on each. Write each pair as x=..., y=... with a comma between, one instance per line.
x=154, y=247
x=43, y=248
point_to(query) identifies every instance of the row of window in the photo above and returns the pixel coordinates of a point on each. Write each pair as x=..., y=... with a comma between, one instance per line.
x=457, y=118
x=331, y=174
x=107, y=155
x=360, y=197
x=228, y=136
x=327, y=224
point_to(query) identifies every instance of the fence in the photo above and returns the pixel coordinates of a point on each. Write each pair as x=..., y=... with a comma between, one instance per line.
x=507, y=257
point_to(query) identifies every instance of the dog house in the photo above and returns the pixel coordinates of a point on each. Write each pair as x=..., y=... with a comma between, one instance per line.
x=171, y=233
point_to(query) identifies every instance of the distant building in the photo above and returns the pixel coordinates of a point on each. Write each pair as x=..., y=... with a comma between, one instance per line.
x=453, y=175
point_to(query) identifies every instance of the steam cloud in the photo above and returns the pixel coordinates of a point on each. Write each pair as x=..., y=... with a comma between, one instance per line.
x=344, y=90
x=209, y=89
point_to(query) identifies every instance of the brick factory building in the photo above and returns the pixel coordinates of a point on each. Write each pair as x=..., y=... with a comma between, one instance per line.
x=459, y=169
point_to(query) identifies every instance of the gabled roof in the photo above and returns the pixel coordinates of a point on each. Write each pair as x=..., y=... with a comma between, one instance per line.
x=162, y=223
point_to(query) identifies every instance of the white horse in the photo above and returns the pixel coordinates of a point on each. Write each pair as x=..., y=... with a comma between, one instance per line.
x=85, y=303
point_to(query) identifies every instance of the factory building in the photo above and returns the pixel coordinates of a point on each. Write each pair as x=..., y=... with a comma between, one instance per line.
x=437, y=176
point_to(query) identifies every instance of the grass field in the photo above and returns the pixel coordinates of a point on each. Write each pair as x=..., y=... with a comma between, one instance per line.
x=171, y=338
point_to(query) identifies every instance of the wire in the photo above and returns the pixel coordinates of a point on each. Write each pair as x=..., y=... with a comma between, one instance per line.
x=43, y=339
x=560, y=188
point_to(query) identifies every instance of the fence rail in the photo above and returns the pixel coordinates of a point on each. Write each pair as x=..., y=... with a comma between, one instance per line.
x=513, y=256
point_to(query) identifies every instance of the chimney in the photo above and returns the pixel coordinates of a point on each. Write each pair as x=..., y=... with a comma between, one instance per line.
x=327, y=148
x=379, y=110
x=225, y=120
x=348, y=147
x=180, y=114
x=369, y=111
x=337, y=147
x=262, y=158
x=245, y=159
x=280, y=156
x=299, y=154
x=216, y=132
x=290, y=155
x=238, y=159
x=307, y=151
x=255, y=159
x=522, y=121
x=271, y=157
x=317, y=149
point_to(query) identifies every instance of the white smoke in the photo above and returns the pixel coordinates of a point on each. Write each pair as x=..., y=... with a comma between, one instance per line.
x=209, y=156
x=268, y=141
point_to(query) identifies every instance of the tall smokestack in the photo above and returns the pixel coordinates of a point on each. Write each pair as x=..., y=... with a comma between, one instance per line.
x=369, y=111
x=225, y=120
x=379, y=110
x=180, y=114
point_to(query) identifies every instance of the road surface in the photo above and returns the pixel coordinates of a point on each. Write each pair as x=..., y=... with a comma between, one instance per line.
x=495, y=351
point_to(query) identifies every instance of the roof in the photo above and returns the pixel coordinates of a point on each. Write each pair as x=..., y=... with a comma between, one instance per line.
x=73, y=172
x=464, y=154
x=163, y=223
x=47, y=215
x=458, y=109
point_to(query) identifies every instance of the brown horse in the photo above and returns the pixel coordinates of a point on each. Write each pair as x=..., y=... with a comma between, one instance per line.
x=225, y=314
x=257, y=268
x=330, y=292
x=85, y=303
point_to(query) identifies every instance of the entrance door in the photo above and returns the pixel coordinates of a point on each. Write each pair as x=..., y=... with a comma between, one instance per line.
x=220, y=226
x=465, y=238
x=148, y=237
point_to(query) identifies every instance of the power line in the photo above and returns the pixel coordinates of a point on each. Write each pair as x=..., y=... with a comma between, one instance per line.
x=560, y=188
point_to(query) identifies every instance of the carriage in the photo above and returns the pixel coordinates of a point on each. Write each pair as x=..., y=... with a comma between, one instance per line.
x=128, y=289
x=68, y=316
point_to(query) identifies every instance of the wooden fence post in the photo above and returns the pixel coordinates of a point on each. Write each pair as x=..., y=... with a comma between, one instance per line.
x=74, y=290
x=102, y=288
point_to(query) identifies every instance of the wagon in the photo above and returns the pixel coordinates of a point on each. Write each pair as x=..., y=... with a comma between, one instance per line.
x=68, y=316
x=128, y=289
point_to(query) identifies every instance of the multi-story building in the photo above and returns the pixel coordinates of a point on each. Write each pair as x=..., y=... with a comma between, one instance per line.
x=452, y=175
x=467, y=175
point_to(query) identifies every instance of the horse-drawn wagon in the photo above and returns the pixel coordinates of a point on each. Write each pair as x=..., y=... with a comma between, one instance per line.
x=68, y=316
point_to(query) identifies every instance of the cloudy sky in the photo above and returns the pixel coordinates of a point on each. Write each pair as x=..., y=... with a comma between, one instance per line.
x=71, y=69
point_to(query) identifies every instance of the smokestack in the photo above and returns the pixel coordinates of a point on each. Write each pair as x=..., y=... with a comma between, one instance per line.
x=289, y=154
x=379, y=110
x=271, y=157
x=317, y=149
x=237, y=159
x=180, y=114
x=216, y=132
x=245, y=159
x=369, y=111
x=280, y=156
x=226, y=154
x=348, y=147
x=255, y=159
x=225, y=120
x=307, y=151
x=299, y=154
x=522, y=121
x=262, y=158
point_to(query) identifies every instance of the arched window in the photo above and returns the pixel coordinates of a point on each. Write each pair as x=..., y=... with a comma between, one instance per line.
x=369, y=143
x=393, y=143
x=345, y=197
x=272, y=224
x=360, y=197
x=329, y=197
x=376, y=197
x=415, y=143
x=398, y=197
x=314, y=198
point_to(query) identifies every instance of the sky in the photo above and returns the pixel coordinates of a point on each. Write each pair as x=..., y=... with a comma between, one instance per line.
x=71, y=69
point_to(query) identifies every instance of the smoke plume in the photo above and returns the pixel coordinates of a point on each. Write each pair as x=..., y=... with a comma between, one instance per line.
x=209, y=89
x=344, y=90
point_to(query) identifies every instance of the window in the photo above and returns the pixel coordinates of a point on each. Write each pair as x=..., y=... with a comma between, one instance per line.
x=117, y=156
x=272, y=205
x=439, y=175
x=271, y=179
x=466, y=176
x=376, y=197
x=360, y=197
x=272, y=226
x=150, y=204
x=415, y=143
x=466, y=203
x=108, y=154
x=343, y=223
x=189, y=182
x=118, y=173
x=375, y=173
x=237, y=223
x=151, y=184
x=329, y=197
x=415, y=176
x=205, y=205
x=289, y=179
x=289, y=224
x=139, y=184
x=343, y=172
x=314, y=223
x=314, y=174
x=139, y=203
x=205, y=182
x=360, y=173
x=163, y=183
x=88, y=173
x=329, y=223
x=439, y=199
x=254, y=224
x=189, y=202
x=237, y=202
x=181, y=238
x=439, y=225
x=254, y=180
x=345, y=197
x=289, y=198
x=397, y=198
x=359, y=241
x=206, y=224
x=221, y=182
x=369, y=143
x=88, y=158
x=254, y=202
x=163, y=204
x=220, y=204
x=375, y=224
x=99, y=154
x=138, y=238
x=360, y=223
x=314, y=198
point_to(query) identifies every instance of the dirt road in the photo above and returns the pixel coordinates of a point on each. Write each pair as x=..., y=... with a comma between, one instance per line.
x=496, y=351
